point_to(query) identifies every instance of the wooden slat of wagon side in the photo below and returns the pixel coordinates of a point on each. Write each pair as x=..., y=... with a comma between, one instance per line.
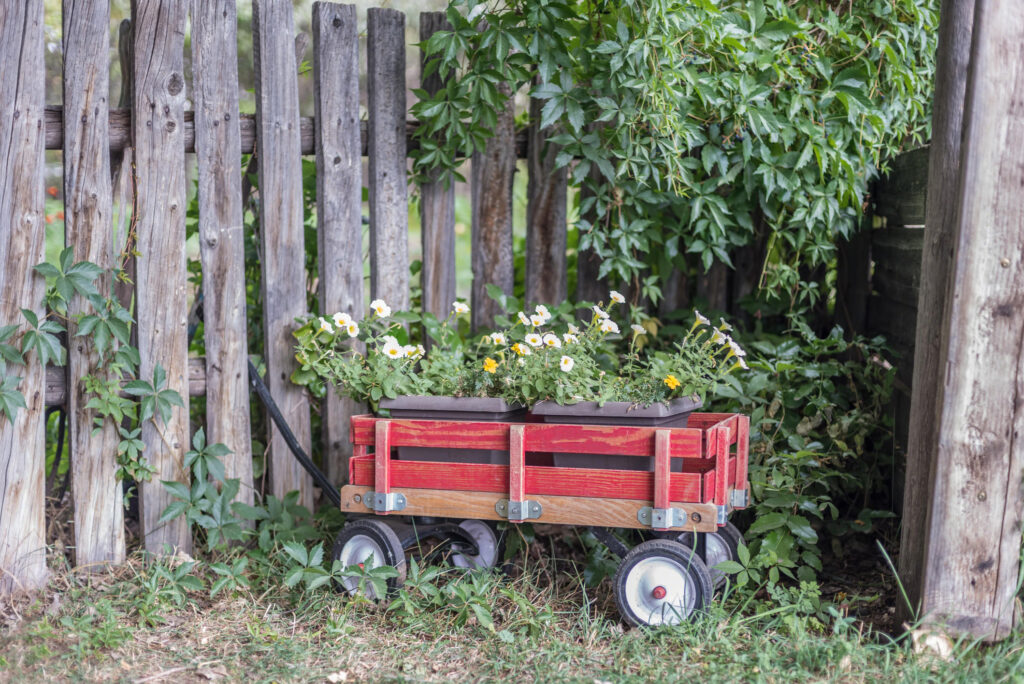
x=482, y=477
x=22, y=246
x=559, y=510
x=161, y=285
x=437, y=205
x=221, y=235
x=88, y=200
x=339, y=197
x=389, y=211
x=282, y=235
x=591, y=439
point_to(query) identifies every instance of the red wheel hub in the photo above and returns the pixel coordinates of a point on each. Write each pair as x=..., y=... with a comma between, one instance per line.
x=658, y=593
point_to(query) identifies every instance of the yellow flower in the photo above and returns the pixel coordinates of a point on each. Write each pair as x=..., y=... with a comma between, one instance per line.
x=672, y=381
x=490, y=365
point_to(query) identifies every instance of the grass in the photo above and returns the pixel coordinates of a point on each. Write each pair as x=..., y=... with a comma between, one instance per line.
x=539, y=623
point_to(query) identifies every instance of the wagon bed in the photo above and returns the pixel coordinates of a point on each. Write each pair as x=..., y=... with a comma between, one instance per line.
x=699, y=473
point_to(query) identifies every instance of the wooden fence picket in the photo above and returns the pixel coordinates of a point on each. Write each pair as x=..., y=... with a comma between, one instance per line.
x=492, y=175
x=389, y=206
x=437, y=204
x=339, y=197
x=283, y=252
x=222, y=235
x=546, y=227
x=98, y=510
x=23, y=444
x=161, y=287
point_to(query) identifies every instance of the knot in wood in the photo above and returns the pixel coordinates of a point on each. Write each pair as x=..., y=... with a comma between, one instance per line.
x=175, y=83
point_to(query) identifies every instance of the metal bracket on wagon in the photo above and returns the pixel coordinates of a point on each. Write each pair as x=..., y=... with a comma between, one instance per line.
x=384, y=503
x=739, y=498
x=518, y=511
x=662, y=518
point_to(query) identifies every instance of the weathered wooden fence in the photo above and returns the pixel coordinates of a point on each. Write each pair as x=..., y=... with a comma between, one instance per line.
x=148, y=137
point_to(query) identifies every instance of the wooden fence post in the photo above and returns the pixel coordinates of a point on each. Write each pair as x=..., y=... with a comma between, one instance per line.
x=22, y=244
x=972, y=558
x=437, y=204
x=491, y=195
x=161, y=286
x=546, y=227
x=98, y=507
x=221, y=235
x=282, y=241
x=389, y=210
x=339, y=197
x=940, y=226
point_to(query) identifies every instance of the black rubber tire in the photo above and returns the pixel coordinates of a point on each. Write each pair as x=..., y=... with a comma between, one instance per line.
x=730, y=536
x=695, y=573
x=385, y=538
x=499, y=546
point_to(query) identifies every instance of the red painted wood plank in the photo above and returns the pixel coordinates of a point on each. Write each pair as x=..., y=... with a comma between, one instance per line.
x=592, y=439
x=742, y=452
x=722, y=467
x=516, y=464
x=540, y=480
x=382, y=457
x=662, y=468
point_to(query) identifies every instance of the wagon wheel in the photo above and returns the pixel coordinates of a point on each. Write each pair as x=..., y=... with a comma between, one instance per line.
x=489, y=542
x=661, y=582
x=721, y=545
x=369, y=542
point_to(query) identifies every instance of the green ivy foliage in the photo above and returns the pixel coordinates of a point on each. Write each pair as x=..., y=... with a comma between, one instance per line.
x=697, y=125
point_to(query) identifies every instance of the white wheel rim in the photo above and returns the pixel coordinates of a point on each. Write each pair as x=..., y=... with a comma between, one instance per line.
x=486, y=543
x=717, y=551
x=660, y=591
x=361, y=550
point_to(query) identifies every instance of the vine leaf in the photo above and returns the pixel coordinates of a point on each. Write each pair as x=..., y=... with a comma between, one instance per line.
x=154, y=398
x=10, y=398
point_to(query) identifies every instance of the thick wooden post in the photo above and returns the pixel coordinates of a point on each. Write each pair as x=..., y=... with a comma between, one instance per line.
x=546, y=228
x=161, y=287
x=972, y=558
x=99, y=511
x=953, y=57
x=221, y=235
x=389, y=210
x=282, y=235
x=491, y=193
x=437, y=205
x=339, y=199
x=22, y=244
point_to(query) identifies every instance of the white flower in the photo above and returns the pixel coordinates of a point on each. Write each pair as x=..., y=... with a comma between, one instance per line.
x=743, y=364
x=543, y=312
x=638, y=329
x=536, y=320
x=390, y=339
x=701, y=319
x=573, y=329
x=569, y=338
x=325, y=326
x=599, y=312
x=498, y=338
x=460, y=307
x=566, y=364
x=380, y=308
x=523, y=318
x=393, y=351
x=534, y=340
x=609, y=326
x=420, y=349
x=551, y=340
x=616, y=297
x=736, y=349
x=411, y=351
x=522, y=362
x=352, y=329
x=725, y=327
x=341, y=320
x=717, y=336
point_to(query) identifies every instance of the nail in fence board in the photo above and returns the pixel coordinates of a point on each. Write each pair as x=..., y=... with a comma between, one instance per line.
x=491, y=197
x=221, y=235
x=282, y=243
x=546, y=227
x=22, y=445
x=437, y=204
x=389, y=211
x=970, y=574
x=339, y=197
x=161, y=289
x=98, y=509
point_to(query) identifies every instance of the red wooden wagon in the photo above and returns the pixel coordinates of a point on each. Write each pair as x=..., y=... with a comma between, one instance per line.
x=696, y=476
